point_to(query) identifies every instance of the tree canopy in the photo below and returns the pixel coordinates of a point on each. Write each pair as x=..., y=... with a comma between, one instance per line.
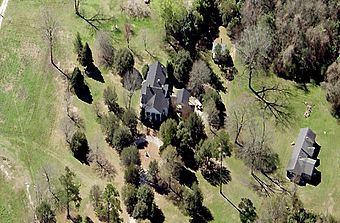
x=123, y=61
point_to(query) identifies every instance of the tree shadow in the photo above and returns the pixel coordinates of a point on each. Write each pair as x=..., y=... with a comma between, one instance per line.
x=158, y=216
x=93, y=72
x=187, y=177
x=83, y=93
x=138, y=56
x=215, y=174
x=188, y=157
x=202, y=216
x=216, y=83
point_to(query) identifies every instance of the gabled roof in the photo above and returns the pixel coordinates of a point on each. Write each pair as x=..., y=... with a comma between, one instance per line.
x=154, y=89
x=302, y=160
x=156, y=75
x=183, y=96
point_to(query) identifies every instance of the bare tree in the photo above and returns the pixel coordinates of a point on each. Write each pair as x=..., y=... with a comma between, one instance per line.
x=127, y=33
x=105, y=49
x=132, y=80
x=50, y=30
x=199, y=75
x=240, y=113
x=103, y=167
x=254, y=47
x=97, y=18
x=71, y=111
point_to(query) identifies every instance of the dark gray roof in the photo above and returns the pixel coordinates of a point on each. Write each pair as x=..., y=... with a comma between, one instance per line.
x=156, y=75
x=155, y=91
x=302, y=160
x=183, y=96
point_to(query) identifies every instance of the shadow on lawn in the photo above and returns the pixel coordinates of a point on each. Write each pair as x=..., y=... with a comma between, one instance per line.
x=202, y=216
x=215, y=174
x=83, y=93
x=93, y=72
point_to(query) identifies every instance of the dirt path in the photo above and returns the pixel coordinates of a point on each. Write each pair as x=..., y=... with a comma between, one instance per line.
x=2, y=10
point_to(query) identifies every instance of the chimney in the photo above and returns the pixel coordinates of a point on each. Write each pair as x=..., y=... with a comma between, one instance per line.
x=159, y=82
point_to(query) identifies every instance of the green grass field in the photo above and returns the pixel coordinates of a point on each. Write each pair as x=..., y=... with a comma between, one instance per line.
x=31, y=109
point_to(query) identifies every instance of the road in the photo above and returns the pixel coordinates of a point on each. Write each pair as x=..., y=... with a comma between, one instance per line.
x=2, y=10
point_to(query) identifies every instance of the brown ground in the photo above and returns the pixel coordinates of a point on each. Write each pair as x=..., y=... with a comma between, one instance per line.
x=153, y=154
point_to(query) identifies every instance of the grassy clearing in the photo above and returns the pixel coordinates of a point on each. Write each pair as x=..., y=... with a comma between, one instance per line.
x=31, y=111
x=12, y=203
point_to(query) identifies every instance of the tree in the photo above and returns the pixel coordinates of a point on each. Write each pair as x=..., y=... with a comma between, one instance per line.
x=121, y=138
x=50, y=31
x=103, y=167
x=105, y=49
x=168, y=132
x=247, y=211
x=130, y=120
x=44, y=213
x=257, y=154
x=111, y=100
x=172, y=165
x=182, y=63
x=211, y=21
x=132, y=80
x=130, y=156
x=109, y=124
x=78, y=46
x=274, y=210
x=207, y=150
x=79, y=146
x=195, y=126
x=69, y=191
x=106, y=203
x=127, y=33
x=213, y=114
x=199, y=75
x=131, y=175
x=214, y=107
x=129, y=195
x=145, y=203
x=224, y=142
x=111, y=204
x=193, y=200
x=153, y=172
x=145, y=71
x=123, y=61
x=76, y=80
x=95, y=196
x=254, y=47
x=333, y=87
x=86, y=59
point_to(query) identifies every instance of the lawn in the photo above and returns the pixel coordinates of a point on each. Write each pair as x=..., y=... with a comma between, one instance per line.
x=31, y=109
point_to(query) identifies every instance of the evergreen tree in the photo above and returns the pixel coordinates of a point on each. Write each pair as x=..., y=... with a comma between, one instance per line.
x=79, y=146
x=69, y=191
x=76, y=80
x=247, y=214
x=130, y=156
x=111, y=204
x=86, y=59
x=78, y=46
x=129, y=194
x=123, y=61
x=44, y=213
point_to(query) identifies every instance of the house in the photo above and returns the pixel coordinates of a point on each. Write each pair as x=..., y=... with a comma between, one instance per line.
x=182, y=104
x=301, y=167
x=155, y=95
